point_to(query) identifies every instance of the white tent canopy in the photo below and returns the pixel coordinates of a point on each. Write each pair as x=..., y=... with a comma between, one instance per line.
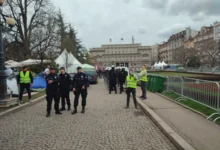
x=33, y=62
x=12, y=63
x=68, y=61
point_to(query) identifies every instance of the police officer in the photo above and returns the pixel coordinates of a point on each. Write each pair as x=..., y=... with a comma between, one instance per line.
x=79, y=84
x=65, y=82
x=131, y=84
x=52, y=91
x=112, y=80
x=122, y=77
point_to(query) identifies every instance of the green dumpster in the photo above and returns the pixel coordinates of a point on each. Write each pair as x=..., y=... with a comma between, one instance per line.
x=158, y=86
x=152, y=83
x=148, y=81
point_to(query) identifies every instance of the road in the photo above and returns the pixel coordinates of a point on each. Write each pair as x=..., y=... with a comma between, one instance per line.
x=106, y=125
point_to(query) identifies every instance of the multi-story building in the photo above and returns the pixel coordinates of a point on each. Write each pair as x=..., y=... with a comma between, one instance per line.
x=128, y=55
x=163, y=52
x=216, y=31
x=155, y=53
x=176, y=43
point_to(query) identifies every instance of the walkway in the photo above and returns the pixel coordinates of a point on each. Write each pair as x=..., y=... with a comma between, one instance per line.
x=106, y=125
x=199, y=132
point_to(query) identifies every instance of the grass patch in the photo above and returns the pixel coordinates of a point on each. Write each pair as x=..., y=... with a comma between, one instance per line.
x=196, y=106
x=25, y=100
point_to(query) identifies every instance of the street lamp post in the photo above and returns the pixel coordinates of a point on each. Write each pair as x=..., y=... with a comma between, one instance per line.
x=3, y=86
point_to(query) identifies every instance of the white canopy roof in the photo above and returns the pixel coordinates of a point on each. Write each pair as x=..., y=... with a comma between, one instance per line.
x=33, y=62
x=68, y=61
x=12, y=63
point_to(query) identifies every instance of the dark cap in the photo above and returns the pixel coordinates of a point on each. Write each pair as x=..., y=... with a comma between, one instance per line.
x=78, y=68
x=24, y=67
x=52, y=68
x=62, y=68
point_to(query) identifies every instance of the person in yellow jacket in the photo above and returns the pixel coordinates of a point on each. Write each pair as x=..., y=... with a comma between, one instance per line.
x=131, y=84
x=143, y=78
x=24, y=80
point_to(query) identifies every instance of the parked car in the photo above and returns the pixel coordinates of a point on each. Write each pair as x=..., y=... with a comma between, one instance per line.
x=92, y=76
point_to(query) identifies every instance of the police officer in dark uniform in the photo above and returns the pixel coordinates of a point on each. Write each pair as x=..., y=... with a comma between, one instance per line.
x=79, y=84
x=122, y=77
x=65, y=82
x=52, y=91
x=112, y=80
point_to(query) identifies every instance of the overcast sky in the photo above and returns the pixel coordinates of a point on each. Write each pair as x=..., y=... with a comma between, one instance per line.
x=150, y=21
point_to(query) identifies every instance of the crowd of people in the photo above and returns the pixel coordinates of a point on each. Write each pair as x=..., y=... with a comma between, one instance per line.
x=127, y=81
x=58, y=86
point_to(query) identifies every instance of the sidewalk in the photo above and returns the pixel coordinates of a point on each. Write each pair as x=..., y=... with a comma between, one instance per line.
x=195, y=129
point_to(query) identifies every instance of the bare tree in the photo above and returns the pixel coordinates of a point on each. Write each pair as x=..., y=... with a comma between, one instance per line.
x=208, y=52
x=29, y=14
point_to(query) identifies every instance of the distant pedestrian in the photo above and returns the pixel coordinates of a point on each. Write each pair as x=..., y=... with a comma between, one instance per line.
x=64, y=86
x=112, y=80
x=143, y=78
x=52, y=91
x=131, y=84
x=24, y=80
x=122, y=77
x=79, y=84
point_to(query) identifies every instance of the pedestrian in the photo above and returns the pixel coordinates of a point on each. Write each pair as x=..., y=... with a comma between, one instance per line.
x=131, y=84
x=52, y=91
x=79, y=84
x=143, y=78
x=64, y=86
x=122, y=77
x=112, y=80
x=118, y=73
x=24, y=80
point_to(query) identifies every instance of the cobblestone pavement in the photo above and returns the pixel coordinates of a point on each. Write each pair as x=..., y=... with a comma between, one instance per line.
x=106, y=125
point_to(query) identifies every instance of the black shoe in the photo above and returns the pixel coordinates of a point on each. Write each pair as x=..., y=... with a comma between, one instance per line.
x=48, y=114
x=58, y=113
x=69, y=108
x=144, y=98
x=62, y=109
x=83, y=110
x=126, y=107
x=141, y=97
x=136, y=106
x=109, y=92
x=74, y=112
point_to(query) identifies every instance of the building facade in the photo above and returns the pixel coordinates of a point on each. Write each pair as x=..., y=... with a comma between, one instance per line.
x=155, y=53
x=128, y=55
x=163, y=52
x=176, y=43
x=216, y=31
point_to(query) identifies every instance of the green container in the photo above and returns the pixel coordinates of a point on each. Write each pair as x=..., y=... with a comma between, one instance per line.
x=149, y=77
x=158, y=86
x=152, y=83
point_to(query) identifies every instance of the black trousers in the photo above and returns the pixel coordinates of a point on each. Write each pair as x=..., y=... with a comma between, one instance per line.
x=143, y=88
x=83, y=94
x=22, y=87
x=111, y=86
x=133, y=91
x=121, y=85
x=50, y=97
x=65, y=98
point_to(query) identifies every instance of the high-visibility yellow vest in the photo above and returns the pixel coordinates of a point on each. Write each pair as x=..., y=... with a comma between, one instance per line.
x=143, y=78
x=25, y=78
x=131, y=82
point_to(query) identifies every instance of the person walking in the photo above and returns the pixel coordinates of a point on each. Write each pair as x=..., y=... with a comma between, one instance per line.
x=24, y=80
x=79, y=84
x=143, y=78
x=131, y=84
x=52, y=91
x=64, y=86
x=112, y=80
x=122, y=77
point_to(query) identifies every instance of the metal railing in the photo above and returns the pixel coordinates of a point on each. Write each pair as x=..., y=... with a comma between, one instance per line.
x=204, y=92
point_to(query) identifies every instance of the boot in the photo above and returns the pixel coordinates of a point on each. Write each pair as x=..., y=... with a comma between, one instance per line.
x=62, y=109
x=48, y=114
x=83, y=110
x=58, y=113
x=127, y=107
x=74, y=111
x=136, y=106
x=68, y=108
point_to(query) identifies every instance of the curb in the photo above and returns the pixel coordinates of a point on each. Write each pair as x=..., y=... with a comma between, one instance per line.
x=176, y=102
x=17, y=108
x=177, y=140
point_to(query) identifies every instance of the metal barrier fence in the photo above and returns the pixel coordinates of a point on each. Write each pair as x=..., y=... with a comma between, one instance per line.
x=201, y=91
